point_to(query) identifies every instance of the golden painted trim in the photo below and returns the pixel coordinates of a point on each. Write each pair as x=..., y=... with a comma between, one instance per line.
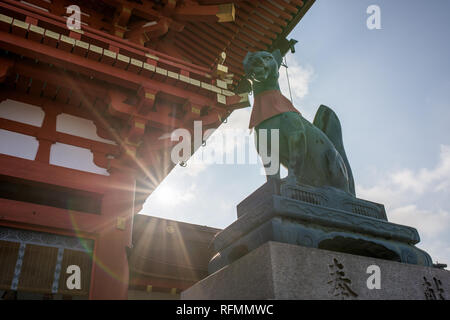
x=194, y=82
x=37, y=29
x=216, y=90
x=120, y=27
x=221, y=99
x=140, y=125
x=244, y=97
x=172, y=74
x=206, y=86
x=95, y=49
x=51, y=34
x=185, y=79
x=221, y=84
x=161, y=71
x=123, y=58
x=77, y=31
x=82, y=44
x=149, y=55
x=136, y=62
x=120, y=223
x=20, y=24
x=67, y=40
x=227, y=12
x=110, y=54
x=6, y=19
x=227, y=93
x=222, y=69
x=149, y=67
x=149, y=96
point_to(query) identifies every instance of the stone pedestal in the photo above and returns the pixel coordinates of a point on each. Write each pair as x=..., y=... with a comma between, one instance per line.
x=295, y=241
x=285, y=271
x=323, y=218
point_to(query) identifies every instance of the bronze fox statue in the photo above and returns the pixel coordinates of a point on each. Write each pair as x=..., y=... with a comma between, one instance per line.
x=313, y=153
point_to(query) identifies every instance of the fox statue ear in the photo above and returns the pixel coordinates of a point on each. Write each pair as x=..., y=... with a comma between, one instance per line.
x=245, y=62
x=278, y=57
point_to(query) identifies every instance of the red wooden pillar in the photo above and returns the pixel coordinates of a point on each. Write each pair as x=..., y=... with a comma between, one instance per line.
x=110, y=264
x=46, y=136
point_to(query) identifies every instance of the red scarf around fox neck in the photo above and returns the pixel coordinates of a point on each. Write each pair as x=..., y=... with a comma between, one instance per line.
x=268, y=104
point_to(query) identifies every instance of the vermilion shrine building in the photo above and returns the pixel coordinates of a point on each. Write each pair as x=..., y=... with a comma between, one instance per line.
x=85, y=123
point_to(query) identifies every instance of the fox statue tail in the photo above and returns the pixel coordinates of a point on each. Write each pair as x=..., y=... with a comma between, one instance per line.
x=327, y=121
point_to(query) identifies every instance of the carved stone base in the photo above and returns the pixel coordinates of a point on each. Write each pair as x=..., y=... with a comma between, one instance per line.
x=284, y=271
x=324, y=218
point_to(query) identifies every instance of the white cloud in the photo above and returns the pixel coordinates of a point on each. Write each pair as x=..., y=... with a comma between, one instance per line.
x=237, y=123
x=404, y=193
x=299, y=78
x=239, y=119
x=430, y=223
x=180, y=189
x=402, y=185
x=439, y=250
x=436, y=179
x=173, y=194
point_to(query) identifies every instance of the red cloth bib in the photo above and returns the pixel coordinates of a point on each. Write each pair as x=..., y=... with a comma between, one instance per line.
x=268, y=104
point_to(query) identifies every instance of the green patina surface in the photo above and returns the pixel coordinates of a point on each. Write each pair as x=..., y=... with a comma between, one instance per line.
x=313, y=153
x=315, y=206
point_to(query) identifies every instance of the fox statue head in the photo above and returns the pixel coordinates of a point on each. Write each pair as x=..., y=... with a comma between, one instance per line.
x=262, y=69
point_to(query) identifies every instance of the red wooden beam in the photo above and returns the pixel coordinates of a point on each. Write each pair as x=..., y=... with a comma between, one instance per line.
x=65, y=108
x=212, y=13
x=61, y=137
x=143, y=31
x=92, y=68
x=5, y=68
x=98, y=35
x=40, y=172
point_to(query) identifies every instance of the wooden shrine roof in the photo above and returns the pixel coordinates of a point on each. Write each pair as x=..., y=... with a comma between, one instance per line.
x=193, y=31
x=138, y=68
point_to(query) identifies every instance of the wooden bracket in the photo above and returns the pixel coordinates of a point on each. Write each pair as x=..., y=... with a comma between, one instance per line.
x=136, y=131
x=147, y=100
x=5, y=68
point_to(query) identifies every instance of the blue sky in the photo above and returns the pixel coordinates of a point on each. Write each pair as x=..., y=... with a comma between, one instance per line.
x=391, y=91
